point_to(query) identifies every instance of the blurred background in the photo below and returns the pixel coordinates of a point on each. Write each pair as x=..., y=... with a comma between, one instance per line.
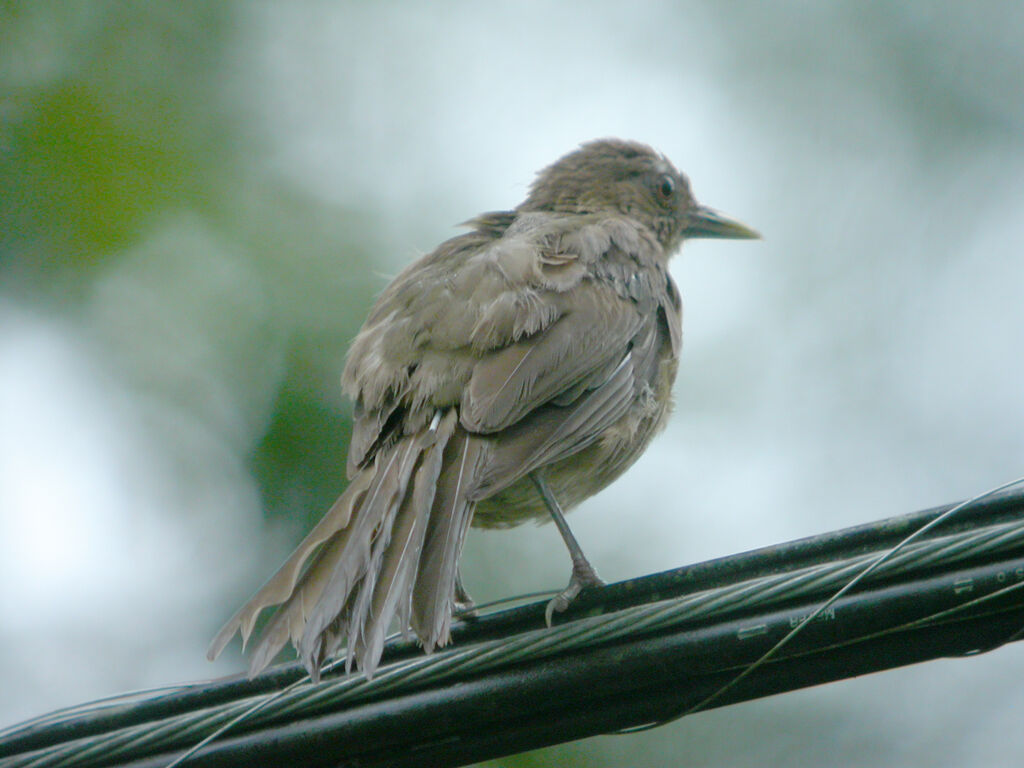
x=200, y=201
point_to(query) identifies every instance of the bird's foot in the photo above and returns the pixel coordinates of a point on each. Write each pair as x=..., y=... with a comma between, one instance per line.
x=464, y=606
x=583, y=576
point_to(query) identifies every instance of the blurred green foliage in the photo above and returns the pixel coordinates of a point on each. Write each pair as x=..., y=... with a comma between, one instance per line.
x=120, y=140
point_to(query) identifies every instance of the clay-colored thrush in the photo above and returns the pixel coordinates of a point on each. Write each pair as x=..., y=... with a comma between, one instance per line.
x=508, y=375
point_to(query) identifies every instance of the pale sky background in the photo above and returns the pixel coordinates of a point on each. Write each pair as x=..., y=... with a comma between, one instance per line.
x=863, y=361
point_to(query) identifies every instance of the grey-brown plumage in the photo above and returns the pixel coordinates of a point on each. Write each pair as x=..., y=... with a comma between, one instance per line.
x=534, y=353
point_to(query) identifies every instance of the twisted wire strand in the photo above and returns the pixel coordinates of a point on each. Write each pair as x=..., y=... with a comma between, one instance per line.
x=182, y=730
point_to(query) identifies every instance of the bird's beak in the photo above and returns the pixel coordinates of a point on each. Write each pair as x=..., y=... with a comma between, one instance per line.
x=705, y=222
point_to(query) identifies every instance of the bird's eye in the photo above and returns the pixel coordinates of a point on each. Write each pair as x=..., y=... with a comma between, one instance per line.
x=666, y=187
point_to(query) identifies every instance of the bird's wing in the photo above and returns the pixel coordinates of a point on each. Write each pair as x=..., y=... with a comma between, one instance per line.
x=497, y=326
x=576, y=353
x=429, y=328
x=560, y=428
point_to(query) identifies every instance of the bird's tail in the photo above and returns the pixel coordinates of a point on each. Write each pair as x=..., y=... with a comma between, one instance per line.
x=389, y=546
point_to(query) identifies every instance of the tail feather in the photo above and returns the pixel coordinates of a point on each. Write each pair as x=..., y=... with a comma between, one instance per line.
x=382, y=540
x=289, y=622
x=397, y=568
x=360, y=566
x=433, y=595
x=282, y=585
x=353, y=563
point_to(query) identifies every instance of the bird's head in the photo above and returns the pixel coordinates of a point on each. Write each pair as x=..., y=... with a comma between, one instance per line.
x=626, y=177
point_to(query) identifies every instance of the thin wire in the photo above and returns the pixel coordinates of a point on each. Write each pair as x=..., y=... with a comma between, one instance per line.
x=516, y=599
x=106, y=702
x=302, y=700
x=327, y=667
x=871, y=568
x=767, y=656
x=962, y=608
x=216, y=734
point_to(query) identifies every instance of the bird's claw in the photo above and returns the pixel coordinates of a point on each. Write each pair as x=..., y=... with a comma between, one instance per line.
x=465, y=610
x=464, y=606
x=583, y=576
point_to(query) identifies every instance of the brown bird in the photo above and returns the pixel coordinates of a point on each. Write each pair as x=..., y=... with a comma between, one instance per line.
x=508, y=375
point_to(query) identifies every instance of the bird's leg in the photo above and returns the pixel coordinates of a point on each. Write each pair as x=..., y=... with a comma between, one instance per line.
x=583, y=573
x=465, y=606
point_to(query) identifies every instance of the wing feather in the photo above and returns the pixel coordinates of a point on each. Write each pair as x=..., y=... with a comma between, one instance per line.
x=590, y=337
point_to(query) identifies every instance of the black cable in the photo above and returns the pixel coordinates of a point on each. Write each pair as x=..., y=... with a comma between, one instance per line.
x=631, y=653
